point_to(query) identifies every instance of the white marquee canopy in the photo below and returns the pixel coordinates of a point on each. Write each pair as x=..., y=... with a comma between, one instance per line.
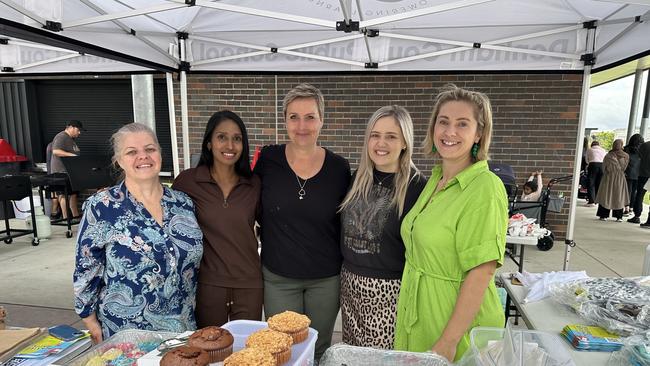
x=323, y=35
x=320, y=35
x=96, y=36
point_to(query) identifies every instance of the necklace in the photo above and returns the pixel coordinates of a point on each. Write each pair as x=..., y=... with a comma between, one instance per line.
x=301, y=191
x=381, y=181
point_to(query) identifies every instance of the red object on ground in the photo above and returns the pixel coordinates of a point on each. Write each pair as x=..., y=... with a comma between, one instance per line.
x=8, y=154
x=256, y=155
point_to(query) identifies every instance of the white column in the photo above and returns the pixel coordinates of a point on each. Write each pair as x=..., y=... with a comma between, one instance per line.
x=636, y=95
x=144, y=110
x=646, y=107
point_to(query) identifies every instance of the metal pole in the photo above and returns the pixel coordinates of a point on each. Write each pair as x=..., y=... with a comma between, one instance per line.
x=184, y=120
x=584, y=100
x=646, y=107
x=576, y=167
x=277, y=118
x=172, y=123
x=144, y=110
x=636, y=94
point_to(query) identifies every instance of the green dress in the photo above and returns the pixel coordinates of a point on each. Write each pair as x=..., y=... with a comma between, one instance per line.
x=446, y=235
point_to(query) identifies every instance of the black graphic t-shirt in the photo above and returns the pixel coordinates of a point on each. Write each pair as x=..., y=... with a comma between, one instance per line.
x=370, y=231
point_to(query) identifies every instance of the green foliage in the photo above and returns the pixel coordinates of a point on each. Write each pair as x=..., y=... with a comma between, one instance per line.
x=605, y=138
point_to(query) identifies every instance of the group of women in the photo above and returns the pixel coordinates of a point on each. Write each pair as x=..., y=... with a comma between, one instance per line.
x=410, y=263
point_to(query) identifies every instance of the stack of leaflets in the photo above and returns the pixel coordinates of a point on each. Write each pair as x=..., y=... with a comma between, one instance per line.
x=46, y=350
x=590, y=338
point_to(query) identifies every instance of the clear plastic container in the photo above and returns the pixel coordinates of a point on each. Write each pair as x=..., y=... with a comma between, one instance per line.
x=343, y=354
x=125, y=336
x=302, y=354
x=495, y=346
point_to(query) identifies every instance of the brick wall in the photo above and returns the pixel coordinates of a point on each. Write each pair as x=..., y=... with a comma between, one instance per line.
x=535, y=115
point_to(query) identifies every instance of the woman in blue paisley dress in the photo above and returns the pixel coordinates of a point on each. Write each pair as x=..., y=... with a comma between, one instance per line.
x=139, y=247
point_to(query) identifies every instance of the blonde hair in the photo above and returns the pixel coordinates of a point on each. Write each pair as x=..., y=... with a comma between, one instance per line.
x=364, y=177
x=304, y=90
x=482, y=114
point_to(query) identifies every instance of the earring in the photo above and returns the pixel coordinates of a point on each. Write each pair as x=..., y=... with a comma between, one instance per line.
x=433, y=149
x=475, y=150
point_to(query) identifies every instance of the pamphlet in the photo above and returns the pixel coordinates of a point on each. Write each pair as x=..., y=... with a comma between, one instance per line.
x=591, y=338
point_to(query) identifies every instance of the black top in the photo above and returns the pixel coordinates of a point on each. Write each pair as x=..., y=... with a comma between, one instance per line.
x=370, y=237
x=632, y=170
x=644, y=154
x=300, y=237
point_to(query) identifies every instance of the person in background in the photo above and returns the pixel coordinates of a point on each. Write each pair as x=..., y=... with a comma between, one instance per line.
x=303, y=185
x=585, y=148
x=455, y=233
x=226, y=195
x=139, y=247
x=64, y=145
x=533, y=187
x=632, y=170
x=55, y=211
x=613, y=194
x=384, y=189
x=595, y=156
x=644, y=175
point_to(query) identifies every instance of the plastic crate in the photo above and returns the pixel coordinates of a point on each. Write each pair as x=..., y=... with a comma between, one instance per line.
x=131, y=336
x=525, y=347
x=302, y=354
x=343, y=354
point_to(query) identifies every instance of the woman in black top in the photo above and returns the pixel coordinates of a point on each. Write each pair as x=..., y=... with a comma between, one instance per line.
x=303, y=185
x=385, y=187
x=632, y=170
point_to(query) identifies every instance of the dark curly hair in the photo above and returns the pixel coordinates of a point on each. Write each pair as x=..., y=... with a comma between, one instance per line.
x=633, y=144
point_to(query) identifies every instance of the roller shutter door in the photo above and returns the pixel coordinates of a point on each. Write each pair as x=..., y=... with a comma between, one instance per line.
x=103, y=106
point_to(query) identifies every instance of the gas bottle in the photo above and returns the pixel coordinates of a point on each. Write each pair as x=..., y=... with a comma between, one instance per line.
x=43, y=226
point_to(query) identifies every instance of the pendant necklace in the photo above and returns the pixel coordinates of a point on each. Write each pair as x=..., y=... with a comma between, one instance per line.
x=381, y=181
x=301, y=191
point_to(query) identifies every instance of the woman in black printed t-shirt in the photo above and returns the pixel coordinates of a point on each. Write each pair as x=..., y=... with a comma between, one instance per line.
x=385, y=187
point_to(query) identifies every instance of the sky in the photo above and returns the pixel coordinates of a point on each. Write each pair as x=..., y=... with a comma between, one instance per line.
x=609, y=104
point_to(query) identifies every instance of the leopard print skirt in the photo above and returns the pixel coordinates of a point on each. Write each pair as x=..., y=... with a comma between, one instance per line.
x=368, y=310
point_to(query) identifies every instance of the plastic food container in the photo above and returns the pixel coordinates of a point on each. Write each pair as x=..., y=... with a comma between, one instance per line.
x=491, y=347
x=302, y=354
x=343, y=354
x=125, y=336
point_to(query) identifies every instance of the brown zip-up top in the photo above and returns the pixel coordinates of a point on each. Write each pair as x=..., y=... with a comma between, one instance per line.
x=230, y=257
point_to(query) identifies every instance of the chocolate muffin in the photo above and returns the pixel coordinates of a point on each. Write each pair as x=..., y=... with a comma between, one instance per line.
x=294, y=324
x=217, y=342
x=185, y=356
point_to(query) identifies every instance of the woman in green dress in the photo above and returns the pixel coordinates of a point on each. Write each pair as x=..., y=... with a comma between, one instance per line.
x=455, y=233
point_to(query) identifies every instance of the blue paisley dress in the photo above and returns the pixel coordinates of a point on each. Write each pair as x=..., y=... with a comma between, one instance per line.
x=132, y=272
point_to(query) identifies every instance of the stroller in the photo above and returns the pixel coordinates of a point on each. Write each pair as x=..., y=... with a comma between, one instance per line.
x=507, y=176
x=533, y=209
x=538, y=209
